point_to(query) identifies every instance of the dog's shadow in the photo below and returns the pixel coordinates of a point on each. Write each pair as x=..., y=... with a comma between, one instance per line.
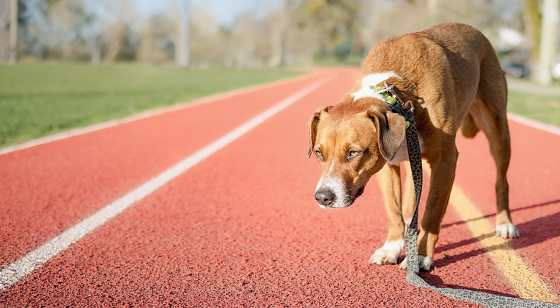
x=532, y=232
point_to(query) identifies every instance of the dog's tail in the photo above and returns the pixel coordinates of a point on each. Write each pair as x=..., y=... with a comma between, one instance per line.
x=469, y=128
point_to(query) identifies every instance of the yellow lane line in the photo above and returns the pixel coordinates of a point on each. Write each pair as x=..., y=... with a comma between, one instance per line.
x=521, y=277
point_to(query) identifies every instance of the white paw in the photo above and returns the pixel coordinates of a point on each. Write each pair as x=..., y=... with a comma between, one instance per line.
x=424, y=263
x=507, y=231
x=388, y=254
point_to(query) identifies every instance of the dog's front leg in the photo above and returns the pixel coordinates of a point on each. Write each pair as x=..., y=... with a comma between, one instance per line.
x=441, y=182
x=389, y=179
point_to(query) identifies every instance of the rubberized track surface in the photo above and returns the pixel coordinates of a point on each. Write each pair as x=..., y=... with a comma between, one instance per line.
x=241, y=227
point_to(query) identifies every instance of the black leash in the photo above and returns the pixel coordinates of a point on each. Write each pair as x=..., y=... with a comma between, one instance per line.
x=412, y=268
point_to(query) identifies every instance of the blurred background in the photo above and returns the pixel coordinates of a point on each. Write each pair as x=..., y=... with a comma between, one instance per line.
x=272, y=33
x=72, y=63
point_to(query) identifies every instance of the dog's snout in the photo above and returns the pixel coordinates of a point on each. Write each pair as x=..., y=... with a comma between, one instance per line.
x=325, y=197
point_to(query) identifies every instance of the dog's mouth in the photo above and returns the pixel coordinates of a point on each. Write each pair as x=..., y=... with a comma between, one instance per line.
x=326, y=198
x=359, y=192
x=353, y=198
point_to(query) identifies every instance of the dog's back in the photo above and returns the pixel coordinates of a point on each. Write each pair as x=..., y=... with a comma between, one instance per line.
x=462, y=43
x=451, y=61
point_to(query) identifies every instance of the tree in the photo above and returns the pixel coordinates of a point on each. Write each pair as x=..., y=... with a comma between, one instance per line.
x=210, y=41
x=335, y=19
x=279, y=26
x=157, y=39
x=33, y=26
x=4, y=30
x=244, y=43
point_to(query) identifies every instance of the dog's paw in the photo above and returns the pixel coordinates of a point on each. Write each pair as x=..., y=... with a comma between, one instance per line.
x=424, y=262
x=507, y=231
x=388, y=254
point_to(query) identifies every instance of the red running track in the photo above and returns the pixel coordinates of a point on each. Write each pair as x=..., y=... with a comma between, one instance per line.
x=241, y=227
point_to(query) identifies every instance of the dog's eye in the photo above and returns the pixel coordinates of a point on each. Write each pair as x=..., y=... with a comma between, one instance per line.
x=352, y=154
x=318, y=154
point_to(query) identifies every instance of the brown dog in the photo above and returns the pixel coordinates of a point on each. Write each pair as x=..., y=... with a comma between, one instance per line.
x=453, y=77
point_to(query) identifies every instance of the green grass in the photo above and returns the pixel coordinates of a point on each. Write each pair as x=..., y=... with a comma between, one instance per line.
x=42, y=99
x=541, y=108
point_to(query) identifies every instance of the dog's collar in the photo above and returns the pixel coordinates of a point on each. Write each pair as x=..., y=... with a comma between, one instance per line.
x=395, y=103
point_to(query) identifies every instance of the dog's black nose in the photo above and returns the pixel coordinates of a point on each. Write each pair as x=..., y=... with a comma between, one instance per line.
x=325, y=197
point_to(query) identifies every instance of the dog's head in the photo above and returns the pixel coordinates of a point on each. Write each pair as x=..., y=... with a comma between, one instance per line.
x=352, y=144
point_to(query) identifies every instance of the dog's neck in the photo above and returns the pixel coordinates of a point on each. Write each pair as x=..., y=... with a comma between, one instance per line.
x=350, y=105
x=358, y=101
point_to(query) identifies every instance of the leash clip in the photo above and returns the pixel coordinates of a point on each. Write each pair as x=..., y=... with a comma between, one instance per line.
x=405, y=105
x=404, y=109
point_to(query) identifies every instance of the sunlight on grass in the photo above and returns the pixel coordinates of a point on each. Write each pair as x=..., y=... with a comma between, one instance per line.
x=541, y=108
x=42, y=99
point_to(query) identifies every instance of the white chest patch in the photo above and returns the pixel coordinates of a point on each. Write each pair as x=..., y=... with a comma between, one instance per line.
x=370, y=81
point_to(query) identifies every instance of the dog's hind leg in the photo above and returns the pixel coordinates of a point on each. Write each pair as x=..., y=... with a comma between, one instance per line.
x=489, y=114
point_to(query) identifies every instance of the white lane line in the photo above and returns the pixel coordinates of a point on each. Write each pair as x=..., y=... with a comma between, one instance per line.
x=22, y=267
x=534, y=124
x=142, y=115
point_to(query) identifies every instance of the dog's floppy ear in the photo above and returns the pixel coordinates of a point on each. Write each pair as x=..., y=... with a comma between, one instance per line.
x=313, y=127
x=390, y=131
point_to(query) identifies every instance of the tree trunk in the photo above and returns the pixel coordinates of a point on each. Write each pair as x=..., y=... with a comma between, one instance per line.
x=115, y=43
x=548, y=40
x=182, y=49
x=13, y=31
x=532, y=20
